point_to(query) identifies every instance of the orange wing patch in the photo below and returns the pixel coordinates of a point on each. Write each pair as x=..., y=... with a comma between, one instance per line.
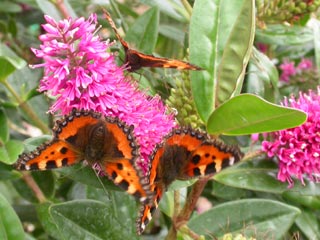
x=136, y=60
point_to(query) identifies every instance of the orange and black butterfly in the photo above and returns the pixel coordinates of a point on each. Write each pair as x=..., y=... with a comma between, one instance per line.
x=184, y=154
x=87, y=135
x=135, y=60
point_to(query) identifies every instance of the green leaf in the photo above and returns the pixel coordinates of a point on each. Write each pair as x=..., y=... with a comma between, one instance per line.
x=10, y=7
x=263, y=76
x=308, y=225
x=10, y=225
x=143, y=33
x=12, y=27
x=262, y=219
x=48, y=8
x=236, y=53
x=4, y=133
x=44, y=179
x=10, y=151
x=211, y=24
x=280, y=34
x=43, y=212
x=315, y=25
x=172, y=9
x=88, y=219
x=33, y=142
x=262, y=176
x=87, y=176
x=255, y=176
x=249, y=114
x=312, y=202
x=9, y=62
x=6, y=173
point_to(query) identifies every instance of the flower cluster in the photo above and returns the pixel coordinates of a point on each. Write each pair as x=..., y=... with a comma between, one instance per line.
x=298, y=149
x=289, y=69
x=80, y=73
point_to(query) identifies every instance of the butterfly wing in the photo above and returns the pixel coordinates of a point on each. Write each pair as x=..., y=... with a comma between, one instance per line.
x=156, y=187
x=136, y=60
x=63, y=150
x=50, y=155
x=120, y=161
x=185, y=153
x=113, y=26
x=210, y=157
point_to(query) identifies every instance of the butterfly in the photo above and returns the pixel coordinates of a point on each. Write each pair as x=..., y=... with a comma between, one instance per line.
x=184, y=154
x=136, y=60
x=87, y=135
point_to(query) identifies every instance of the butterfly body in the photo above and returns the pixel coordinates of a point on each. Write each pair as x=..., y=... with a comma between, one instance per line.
x=87, y=135
x=185, y=154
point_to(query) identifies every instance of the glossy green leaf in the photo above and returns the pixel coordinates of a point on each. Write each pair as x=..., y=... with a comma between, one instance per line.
x=143, y=34
x=262, y=176
x=211, y=24
x=262, y=77
x=249, y=114
x=89, y=219
x=10, y=225
x=258, y=218
x=10, y=151
x=255, y=176
x=308, y=224
x=312, y=202
x=236, y=53
x=4, y=132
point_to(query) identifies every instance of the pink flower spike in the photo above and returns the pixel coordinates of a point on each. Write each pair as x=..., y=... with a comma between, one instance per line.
x=288, y=69
x=305, y=64
x=81, y=73
x=298, y=149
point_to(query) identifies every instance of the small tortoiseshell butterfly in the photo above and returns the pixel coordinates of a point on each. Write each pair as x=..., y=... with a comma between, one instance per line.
x=184, y=154
x=87, y=135
x=136, y=60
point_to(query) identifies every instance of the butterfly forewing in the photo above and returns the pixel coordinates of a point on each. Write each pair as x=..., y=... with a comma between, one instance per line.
x=205, y=160
x=55, y=154
x=70, y=124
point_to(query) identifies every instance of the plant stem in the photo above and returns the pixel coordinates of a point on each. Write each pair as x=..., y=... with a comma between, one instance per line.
x=34, y=187
x=26, y=109
x=182, y=218
x=62, y=8
x=187, y=6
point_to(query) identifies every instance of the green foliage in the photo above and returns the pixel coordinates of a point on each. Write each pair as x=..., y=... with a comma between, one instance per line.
x=237, y=93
